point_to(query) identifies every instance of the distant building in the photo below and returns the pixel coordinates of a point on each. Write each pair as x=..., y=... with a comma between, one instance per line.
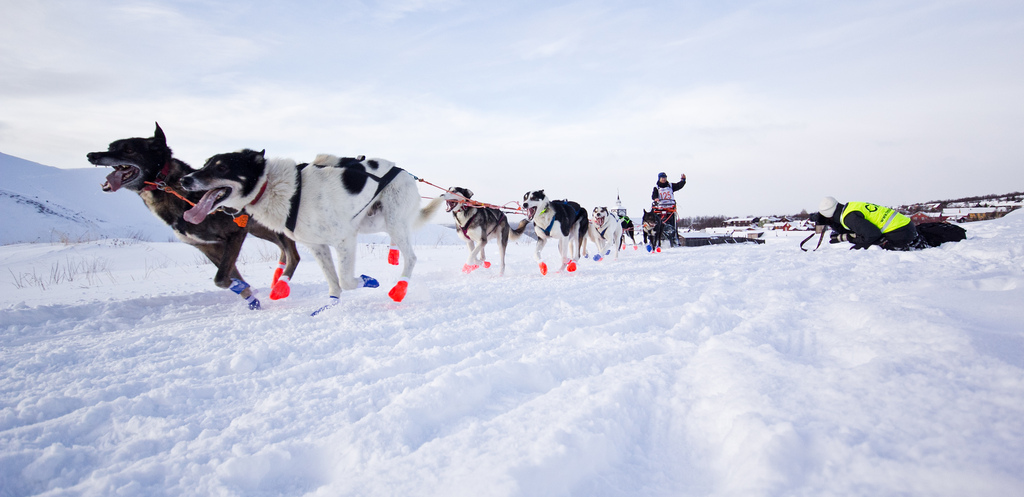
x=619, y=209
x=740, y=221
x=927, y=217
x=963, y=214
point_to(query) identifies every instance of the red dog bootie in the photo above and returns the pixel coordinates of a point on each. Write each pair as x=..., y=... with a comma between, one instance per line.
x=280, y=289
x=277, y=273
x=393, y=255
x=467, y=268
x=571, y=267
x=398, y=292
x=543, y=268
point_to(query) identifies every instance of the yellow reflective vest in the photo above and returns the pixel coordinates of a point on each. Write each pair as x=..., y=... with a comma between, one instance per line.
x=885, y=218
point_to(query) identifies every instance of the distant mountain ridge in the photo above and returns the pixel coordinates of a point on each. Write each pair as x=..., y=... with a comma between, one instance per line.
x=1014, y=199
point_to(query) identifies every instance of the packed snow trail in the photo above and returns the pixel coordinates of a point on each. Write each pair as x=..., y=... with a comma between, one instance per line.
x=725, y=370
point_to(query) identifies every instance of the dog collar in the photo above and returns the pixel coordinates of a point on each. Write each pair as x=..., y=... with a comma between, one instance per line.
x=260, y=194
x=161, y=178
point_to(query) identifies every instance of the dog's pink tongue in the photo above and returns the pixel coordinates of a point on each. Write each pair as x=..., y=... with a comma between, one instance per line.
x=114, y=180
x=198, y=213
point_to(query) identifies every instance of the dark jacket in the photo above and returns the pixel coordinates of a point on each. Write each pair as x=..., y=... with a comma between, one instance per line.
x=675, y=188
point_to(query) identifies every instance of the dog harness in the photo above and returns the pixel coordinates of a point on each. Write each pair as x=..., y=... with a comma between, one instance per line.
x=575, y=215
x=382, y=182
x=547, y=231
x=498, y=216
x=293, y=211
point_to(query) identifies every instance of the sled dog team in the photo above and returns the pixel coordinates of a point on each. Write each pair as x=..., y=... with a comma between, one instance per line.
x=327, y=203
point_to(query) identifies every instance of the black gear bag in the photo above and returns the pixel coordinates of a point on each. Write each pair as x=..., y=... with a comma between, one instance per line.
x=938, y=233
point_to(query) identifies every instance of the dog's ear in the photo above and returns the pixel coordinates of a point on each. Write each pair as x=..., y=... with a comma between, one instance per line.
x=469, y=193
x=257, y=157
x=158, y=134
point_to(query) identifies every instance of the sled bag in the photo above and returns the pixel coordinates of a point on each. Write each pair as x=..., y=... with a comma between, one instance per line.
x=938, y=233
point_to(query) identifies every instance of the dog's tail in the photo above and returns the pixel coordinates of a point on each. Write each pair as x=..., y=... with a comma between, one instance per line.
x=427, y=212
x=510, y=233
x=518, y=230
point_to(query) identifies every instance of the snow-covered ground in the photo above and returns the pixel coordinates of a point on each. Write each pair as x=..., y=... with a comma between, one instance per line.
x=739, y=370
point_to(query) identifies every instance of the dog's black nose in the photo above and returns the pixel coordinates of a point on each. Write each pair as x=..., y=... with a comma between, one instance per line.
x=186, y=182
x=92, y=156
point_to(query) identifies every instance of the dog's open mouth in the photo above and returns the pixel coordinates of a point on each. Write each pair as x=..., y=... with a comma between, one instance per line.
x=530, y=211
x=599, y=221
x=451, y=204
x=206, y=205
x=123, y=173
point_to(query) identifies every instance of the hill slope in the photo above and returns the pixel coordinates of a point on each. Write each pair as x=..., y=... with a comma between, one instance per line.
x=47, y=204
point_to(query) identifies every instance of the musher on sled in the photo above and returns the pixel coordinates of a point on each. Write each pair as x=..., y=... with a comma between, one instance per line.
x=664, y=205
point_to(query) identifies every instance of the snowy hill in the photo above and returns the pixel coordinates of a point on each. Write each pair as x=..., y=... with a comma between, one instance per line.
x=47, y=204
x=732, y=370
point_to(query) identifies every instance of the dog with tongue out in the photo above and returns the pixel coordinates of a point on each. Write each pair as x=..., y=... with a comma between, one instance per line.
x=146, y=166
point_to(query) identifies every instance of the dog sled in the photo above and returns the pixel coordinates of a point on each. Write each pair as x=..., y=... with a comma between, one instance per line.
x=659, y=225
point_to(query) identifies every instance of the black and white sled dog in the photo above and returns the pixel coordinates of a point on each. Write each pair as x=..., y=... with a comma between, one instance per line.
x=147, y=167
x=476, y=224
x=605, y=232
x=324, y=204
x=562, y=220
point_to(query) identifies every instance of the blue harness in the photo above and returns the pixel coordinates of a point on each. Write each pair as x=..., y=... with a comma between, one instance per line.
x=575, y=214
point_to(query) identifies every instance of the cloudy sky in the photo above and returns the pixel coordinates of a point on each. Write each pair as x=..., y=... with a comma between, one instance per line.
x=766, y=106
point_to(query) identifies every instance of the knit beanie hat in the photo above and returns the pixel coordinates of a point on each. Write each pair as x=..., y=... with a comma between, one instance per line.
x=827, y=207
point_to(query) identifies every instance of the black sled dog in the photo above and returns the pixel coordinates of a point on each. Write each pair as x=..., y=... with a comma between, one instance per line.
x=562, y=220
x=654, y=228
x=475, y=224
x=323, y=204
x=147, y=167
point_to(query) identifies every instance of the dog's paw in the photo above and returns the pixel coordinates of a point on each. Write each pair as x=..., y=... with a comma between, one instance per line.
x=597, y=257
x=280, y=289
x=254, y=304
x=369, y=282
x=658, y=250
x=571, y=267
x=487, y=265
x=393, y=257
x=331, y=302
x=650, y=248
x=398, y=292
x=469, y=268
x=277, y=274
x=543, y=268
